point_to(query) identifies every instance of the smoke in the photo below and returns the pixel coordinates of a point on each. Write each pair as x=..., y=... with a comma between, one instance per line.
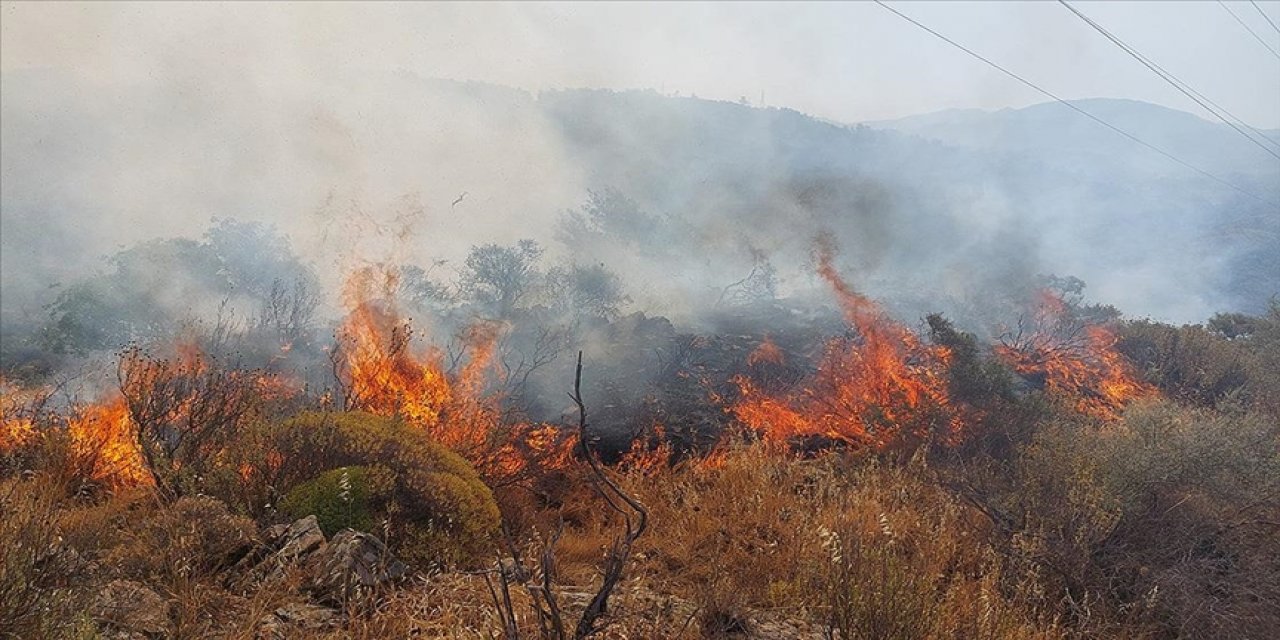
x=126, y=123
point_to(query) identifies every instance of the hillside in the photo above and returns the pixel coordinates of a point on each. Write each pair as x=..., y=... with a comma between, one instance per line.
x=936, y=212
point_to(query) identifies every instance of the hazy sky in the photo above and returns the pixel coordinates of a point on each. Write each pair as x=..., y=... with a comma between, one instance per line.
x=847, y=62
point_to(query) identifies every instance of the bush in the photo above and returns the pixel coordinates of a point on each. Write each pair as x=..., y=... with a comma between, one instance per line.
x=345, y=498
x=1163, y=520
x=39, y=575
x=436, y=506
x=872, y=549
x=193, y=537
x=1188, y=363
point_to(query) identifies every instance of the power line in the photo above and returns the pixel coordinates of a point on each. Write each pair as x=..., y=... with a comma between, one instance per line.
x=1074, y=107
x=1249, y=29
x=1178, y=84
x=1265, y=16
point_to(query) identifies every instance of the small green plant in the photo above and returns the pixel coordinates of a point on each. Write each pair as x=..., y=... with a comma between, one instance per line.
x=344, y=498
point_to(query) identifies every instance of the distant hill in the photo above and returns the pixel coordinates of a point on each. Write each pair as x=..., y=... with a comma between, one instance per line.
x=951, y=211
x=960, y=204
x=1053, y=129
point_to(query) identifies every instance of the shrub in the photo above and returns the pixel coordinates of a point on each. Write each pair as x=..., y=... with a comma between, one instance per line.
x=1188, y=363
x=439, y=510
x=1163, y=520
x=193, y=537
x=345, y=498
x=874, y=550
x=39, y=597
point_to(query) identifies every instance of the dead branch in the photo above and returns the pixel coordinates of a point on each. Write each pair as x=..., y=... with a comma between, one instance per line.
x=635, y=518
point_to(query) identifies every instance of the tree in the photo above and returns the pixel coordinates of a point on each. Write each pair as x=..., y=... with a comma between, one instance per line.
x=589, y=290
x=502, y=277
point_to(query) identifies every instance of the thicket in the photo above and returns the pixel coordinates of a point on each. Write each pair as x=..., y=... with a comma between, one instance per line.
x=1043, y=523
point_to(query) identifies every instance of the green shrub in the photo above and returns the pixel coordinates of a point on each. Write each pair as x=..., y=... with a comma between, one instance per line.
x=345, y=498
x=437, y=508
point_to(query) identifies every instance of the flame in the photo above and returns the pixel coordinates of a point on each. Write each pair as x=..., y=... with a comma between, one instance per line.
x=653, y=452
x=382, y=372
x=766, y=352
x=880, y=386
x=17, y=427
x=1076, y=361
x=103, y=434
x=649, y=454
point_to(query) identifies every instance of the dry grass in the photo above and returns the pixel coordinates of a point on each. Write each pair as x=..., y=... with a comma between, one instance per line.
x=760, y=541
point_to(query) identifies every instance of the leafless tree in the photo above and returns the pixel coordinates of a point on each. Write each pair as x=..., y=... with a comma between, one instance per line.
x=540, y=583
x=289, y=310
x=181, y=410
x=634, y=515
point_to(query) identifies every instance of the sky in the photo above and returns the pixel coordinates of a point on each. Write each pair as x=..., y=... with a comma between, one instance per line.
x=845, y=62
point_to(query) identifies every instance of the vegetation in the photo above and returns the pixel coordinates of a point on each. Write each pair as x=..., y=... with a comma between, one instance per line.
x=1078, y=476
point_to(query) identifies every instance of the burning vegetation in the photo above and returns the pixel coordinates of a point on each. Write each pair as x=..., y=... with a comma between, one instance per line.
x=780, y=473
x=1075, y=361
x=878, y=385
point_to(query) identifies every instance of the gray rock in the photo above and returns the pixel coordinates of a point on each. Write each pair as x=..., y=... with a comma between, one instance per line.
x=299, y=540
x=350, y=562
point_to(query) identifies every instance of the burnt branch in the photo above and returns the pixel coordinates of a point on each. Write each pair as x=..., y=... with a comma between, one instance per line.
x=635, y=518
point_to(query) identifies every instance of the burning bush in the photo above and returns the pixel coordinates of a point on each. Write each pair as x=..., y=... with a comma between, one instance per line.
x=380, y=372
x=1072, y=358
x=879, y=386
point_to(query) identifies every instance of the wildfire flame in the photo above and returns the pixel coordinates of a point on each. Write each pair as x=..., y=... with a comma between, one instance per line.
x=382, y=372
x=100, y=435
x=1074, y=360
x=103, y=435
x=16, y=425
x=879, y=386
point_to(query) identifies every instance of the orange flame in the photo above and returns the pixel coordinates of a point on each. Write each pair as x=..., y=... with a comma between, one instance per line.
x=103, y=434
x=1076, y=361
x=766, y=352
x=654, y=452
x=882, y=386
x=17, y=427
x=382, y=372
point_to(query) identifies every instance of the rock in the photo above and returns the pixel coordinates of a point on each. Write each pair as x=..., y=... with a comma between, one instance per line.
x=300, y=539
x=350, y=561
x=285, y=546
x=275, y=533
x=131, y=607
x=294, y=617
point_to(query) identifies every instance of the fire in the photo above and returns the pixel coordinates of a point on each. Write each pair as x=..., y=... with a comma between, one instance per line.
x=17, y=427
x=1073, y=360
x=766, y=352
x=877, y=387
x=102, y=434
x=654, y=452
x=382, y=372
x=378, y=369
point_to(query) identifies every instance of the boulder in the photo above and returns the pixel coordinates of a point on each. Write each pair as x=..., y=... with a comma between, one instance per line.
x=130, y=607
x=283, y=546
x=352, y=561
x=299, y=540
